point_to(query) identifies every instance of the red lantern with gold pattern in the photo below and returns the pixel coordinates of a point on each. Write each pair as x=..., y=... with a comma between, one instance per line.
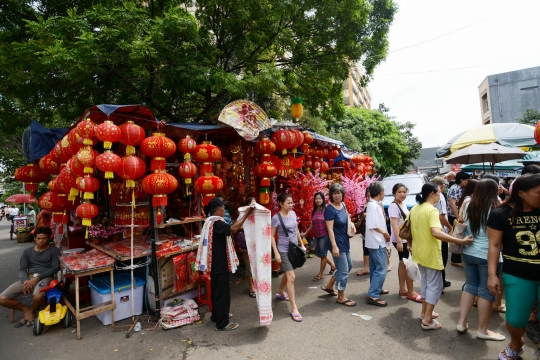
x=208, y=186
x=108, y=133
x=187, y=170
x=49, y=165
x=368, y=169
x=187, y=145
x=304, y=148
x=76, y=139
x=86, y=130
x=207, y=153
x=265, y=171
x=361, y=168
x=108, y=162
x=131, y=135
x=265, y=146
x=131, y=167
x=87, y=212
x=299, y=138
x=308, y=138
x=65, y=149
x=89, y=185
x=87, y=156
x=75, y=167
x=159, y=185
x=158, y=147
x=31, y=175
x=66, y=183
x=51, y=201
x=283, y=140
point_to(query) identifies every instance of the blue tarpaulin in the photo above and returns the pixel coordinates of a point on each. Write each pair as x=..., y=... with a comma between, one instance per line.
x=38, y=141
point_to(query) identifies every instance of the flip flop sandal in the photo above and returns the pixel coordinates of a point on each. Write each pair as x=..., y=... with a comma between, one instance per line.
x=362, y=273
x=509, y=354
x=417, y=299
x=230, y=326
x=296, y=317
x=376, y=302
x=385, y=292
x=348, y=303
x=434, y=315
x=318, y=277
x=20, y=324
x=284, y=297
x=29, y=323
x=331, y=292
x=331, y=272
x=252, y=294
x=500, y=308
x=435, y=325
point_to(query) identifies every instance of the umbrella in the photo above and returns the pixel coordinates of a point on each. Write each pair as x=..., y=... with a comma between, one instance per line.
x=506, y=134
x=492, y=153
x=21, y=199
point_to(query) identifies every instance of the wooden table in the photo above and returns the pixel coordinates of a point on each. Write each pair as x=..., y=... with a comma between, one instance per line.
x=114, y=254
x=79, y=313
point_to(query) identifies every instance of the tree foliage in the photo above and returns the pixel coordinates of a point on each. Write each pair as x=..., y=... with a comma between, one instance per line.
x=530, y=117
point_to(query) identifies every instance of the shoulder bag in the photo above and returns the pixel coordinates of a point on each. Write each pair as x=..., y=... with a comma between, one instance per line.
x=351, y=229
x=405, y=230
x=297, y=256
x=459, y=232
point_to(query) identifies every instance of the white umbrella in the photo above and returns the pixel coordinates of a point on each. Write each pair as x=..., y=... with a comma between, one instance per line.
x=491, y=153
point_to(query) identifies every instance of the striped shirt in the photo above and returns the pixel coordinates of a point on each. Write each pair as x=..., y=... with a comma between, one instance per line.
x=319, y=224
x=227, y=217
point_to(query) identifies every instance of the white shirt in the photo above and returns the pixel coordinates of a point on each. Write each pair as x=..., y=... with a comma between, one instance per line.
x=31, y=217
x=14, y=212
x=375, y=219
x=441, y=206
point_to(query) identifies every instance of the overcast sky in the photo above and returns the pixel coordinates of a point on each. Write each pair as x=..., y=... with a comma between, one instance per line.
x=435, y=84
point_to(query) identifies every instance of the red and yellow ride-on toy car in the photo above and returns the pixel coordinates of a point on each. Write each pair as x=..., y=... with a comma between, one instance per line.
x=55, y=312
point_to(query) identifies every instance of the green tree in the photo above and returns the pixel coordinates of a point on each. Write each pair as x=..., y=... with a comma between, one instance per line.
x=375, y=134
x=530, y=117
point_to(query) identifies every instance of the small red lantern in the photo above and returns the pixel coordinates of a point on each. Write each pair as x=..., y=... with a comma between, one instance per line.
x=333, y=154
x=265, y=171
x=31, y=175
x=208, y=186
x=75, y=167
x=131, y=167
x=49, y=165
x=308, y=138
x=309, y=162
x=304, y=148
x=368, y=169
x=207, y=153
x=283, y=140
x=360, y=168
x=65, y=149
x=324, y=166
x=159, y=185
x=87, y=212
x=87, y=157
x=108, y=162
x=131, y=135
x=86, y=130
x=66, y=183
x=187, y=145
x=158, y=147
x=89, y=185
x=316, y=164
x=187, y=170
x=265, y=146
x=358, y=159
x=108, y=133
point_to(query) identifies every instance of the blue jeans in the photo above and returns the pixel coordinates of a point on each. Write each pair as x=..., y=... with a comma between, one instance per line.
x=343, y=267
x=321, y=247
x=476, y=276
x=378, y=267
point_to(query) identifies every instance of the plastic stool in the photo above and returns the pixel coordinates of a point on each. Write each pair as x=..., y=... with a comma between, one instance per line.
x=207, y=297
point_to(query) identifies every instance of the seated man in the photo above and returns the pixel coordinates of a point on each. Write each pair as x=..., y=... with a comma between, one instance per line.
x=38, y=265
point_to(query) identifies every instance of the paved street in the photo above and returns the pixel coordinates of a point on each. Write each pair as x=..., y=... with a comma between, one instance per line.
x=328, y=331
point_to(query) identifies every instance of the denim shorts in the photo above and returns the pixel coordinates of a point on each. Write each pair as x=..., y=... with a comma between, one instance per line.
x=321, y=245
x=476, y=276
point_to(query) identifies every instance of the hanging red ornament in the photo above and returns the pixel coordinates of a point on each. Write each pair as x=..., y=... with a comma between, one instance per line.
x=333, y=154
x=89, y=185
x=65, y=149
x=187, y=170
x=265, y=146
x=75, y=167
x=87, y=157
x=308, y=163
x=131, y=167
x=187, y=145
x=131, y=135
x=208, y=186
x=206, y=152
x=308, y=138
x=86, y=130
x=87, y=212
x=283, y=140
x=159, y=185
x=108, y=133
x=31, y=175
x=66, y=184
x=49, y=165
x=316, y=164
x=158, y=147
x=265, y=171
x=108, y=162
x=324, y=166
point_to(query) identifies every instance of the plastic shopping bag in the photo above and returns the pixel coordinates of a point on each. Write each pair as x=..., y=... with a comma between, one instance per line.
x=412, y=270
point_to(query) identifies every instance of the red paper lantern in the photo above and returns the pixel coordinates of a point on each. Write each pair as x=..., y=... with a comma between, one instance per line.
x=89, y=185
x=75, y=167
x=49, y=165
x=312, y=152
x=304, y=148
x=187, y=145
x=51, y=201
x=333, y=154
x=299, y=138
x=65, y=149
x=265, y=146
x=207, y=153
x=108, y=133
x=159, y=185
x=324, y=166
x=158, y=147
x=86, y=130
x=368, y=169
x=309, y=162
x=131, y=167
x=316, y=164
x=108, y=162
x=283, y=140
x=265, y=171
x=358, y=159
x=208, y=186
x=31, y=175
x=308, y=138
x=131, y=135
x=360, y=168
x=319, y=153
x=66, y=183
x=87, y=157
x=187, y=170
x=87, y=212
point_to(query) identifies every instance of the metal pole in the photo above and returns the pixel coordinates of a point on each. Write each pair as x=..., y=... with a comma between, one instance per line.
x=132, y=279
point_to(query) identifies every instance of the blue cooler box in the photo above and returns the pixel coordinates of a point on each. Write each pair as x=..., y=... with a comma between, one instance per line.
x=100, y=291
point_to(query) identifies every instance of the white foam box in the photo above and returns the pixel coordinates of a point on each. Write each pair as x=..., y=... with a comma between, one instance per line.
x=100, y=292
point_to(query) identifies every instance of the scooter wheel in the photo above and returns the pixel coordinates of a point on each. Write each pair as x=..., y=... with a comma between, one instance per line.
x=66, y=321
x=38, y=327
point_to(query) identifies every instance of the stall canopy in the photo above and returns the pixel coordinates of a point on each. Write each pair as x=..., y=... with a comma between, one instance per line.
x=508, y=165
x=37, y=141
x=140, y=114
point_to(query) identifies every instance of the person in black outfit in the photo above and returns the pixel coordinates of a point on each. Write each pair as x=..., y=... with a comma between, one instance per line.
x=221, y=292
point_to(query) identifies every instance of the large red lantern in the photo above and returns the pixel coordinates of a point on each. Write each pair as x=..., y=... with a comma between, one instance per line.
x=265, y=146
x=265, y=171
x=187, y=145
x=66, y=183
x=187, y=170
x=131, y=167
x=333, y=154
x=55, y=203
x=299, y=138
x=308, y=138
x=159, y=185
x=89, y=185
x=131, y=135
x=31, y=175
x=208, y=186
x=65, y=149
x=87, y=212
x=283, y=140
x=206, y=154
x=108, y=133
x=49, y=165
x=75, y=167
x=158, y=147
x=87, y=157
x=108, y=162
x=86, y=130
x=316, y=164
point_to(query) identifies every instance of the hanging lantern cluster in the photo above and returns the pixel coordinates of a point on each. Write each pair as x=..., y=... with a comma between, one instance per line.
x=364, y=165
x=187, y=169
x=207, y=184
x=31, y=175
x=265, y=169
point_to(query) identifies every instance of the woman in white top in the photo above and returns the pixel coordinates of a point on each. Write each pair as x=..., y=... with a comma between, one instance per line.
x=397, y=211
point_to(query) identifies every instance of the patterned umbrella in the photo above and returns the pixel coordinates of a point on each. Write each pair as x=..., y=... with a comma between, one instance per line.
x=506, y=134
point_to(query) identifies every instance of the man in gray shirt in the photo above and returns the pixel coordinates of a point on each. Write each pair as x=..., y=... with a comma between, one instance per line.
x=38, y=265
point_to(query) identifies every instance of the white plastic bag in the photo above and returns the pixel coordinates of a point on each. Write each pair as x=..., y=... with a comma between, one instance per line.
x=412, y=270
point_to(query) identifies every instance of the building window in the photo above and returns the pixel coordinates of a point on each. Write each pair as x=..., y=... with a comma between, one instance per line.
x=485, y=103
